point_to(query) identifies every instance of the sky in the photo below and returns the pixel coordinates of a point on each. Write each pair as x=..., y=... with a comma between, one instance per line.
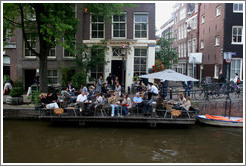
x=163, y=12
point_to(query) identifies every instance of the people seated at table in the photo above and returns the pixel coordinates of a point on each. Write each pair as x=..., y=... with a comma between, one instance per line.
x=92, y=93
x=81, y=99
x=181, y=99
x=118, y=88
x=99, y=99
x=112, y=85
x=83, y=88
x=126, y=104
x=70, y=86
x=113, y=100
x=142, y=86
x=48, y=101
x=153, y=91
x=141, y=103
x=187, y=104
x=159, y=102
x=105, y=89
x=67, y=96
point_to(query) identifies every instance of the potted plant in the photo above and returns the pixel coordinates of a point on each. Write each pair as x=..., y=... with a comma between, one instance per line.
x=135, y=79
x=15, y=97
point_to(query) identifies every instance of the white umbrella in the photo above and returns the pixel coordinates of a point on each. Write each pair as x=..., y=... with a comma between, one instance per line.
x=169, y=75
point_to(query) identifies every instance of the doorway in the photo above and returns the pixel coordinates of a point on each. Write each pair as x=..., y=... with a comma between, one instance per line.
x=116, y=69
x=29, y=78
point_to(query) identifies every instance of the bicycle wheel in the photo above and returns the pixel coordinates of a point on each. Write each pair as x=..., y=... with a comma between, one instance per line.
x=200, y=95
x=217, y=93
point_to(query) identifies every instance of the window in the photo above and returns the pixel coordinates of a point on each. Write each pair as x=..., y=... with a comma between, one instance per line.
x=236, y=67
x=179, y=33
x=140, y=61
x=185, y=33
x=184, y=49
x=67, y=53
x=189, y=48
x=218, y=10
x=141, y=25
x=97, y=27
x=119, y=26
x=202, y=44
x=99, y=69
x=52, y=77
x=192, y=23
x=52, y=53
x=182, y=32
x=194, y=45
x=237, y=34
x=216, y=71
x=217, y=40
x=203, y=19
x=32, y=42
x=182, y=14
x=179, y=51
x=238, y=7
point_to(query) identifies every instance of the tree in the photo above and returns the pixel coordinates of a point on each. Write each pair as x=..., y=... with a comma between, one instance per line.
x=167, y=54
x=50, y=24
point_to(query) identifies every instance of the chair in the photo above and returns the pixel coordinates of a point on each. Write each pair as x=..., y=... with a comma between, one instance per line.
x=100, y=108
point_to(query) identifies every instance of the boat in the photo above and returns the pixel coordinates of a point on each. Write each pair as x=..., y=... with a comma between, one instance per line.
x=221, y=120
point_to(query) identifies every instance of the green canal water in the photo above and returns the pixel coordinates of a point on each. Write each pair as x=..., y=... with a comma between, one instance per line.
x=42, y=142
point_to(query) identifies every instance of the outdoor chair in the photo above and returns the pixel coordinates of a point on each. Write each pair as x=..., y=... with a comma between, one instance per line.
x=100, y=108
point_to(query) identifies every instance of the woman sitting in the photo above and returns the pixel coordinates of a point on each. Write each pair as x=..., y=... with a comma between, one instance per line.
x=112, y=100
x=47, y=101
x=181, y=99
x=126, y=104
x=187, y=104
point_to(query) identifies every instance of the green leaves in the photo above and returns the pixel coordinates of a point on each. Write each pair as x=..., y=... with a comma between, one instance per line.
x=167, y=54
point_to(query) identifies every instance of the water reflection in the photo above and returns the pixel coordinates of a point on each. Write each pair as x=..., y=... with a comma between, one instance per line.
x=39, y=142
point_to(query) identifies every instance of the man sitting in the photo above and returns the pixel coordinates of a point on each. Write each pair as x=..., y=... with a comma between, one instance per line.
x=80, y=100
x=141, y=103
x=68, y=96
x=153, y=91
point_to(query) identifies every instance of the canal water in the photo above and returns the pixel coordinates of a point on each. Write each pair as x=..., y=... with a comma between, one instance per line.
x=42, y=142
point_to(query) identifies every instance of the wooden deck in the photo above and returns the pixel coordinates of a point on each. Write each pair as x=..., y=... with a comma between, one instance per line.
x=158, y=117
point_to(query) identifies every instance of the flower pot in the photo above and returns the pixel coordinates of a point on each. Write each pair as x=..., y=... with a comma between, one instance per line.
x=14, y=100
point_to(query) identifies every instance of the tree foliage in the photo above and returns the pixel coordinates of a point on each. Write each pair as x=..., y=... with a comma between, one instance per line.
x=167, y=55
x=50, y=23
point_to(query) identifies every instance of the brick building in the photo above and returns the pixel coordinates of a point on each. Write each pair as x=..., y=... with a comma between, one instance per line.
x=211, y=29
x=135, y=29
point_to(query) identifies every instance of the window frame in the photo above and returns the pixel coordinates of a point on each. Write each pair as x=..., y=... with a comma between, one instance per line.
x=216, y=71
x=239, y=43
x=203, y=19
x=217, y=14
x=52, y=57
x=202, y=44
x=96, y=68
x=52, y=77
x=91, y=38
x=24, y=48
x=217, y=44
x=194, y=44
x=134, y=32
x=124, y=13
x=139, y=71
x=237, y=11
x=239, y=74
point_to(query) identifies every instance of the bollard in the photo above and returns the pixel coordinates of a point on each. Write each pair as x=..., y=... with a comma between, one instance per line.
x=153, y=112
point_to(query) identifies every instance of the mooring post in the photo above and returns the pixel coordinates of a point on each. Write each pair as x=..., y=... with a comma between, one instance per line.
x=153, y=112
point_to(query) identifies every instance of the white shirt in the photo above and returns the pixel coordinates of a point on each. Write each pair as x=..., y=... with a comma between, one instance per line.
x=99, y=99
x=154, y=90
x=81, y=98
x=235, y=79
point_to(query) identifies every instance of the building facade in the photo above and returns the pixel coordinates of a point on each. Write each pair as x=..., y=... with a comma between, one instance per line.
x=135, y=30
x=210, y=29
